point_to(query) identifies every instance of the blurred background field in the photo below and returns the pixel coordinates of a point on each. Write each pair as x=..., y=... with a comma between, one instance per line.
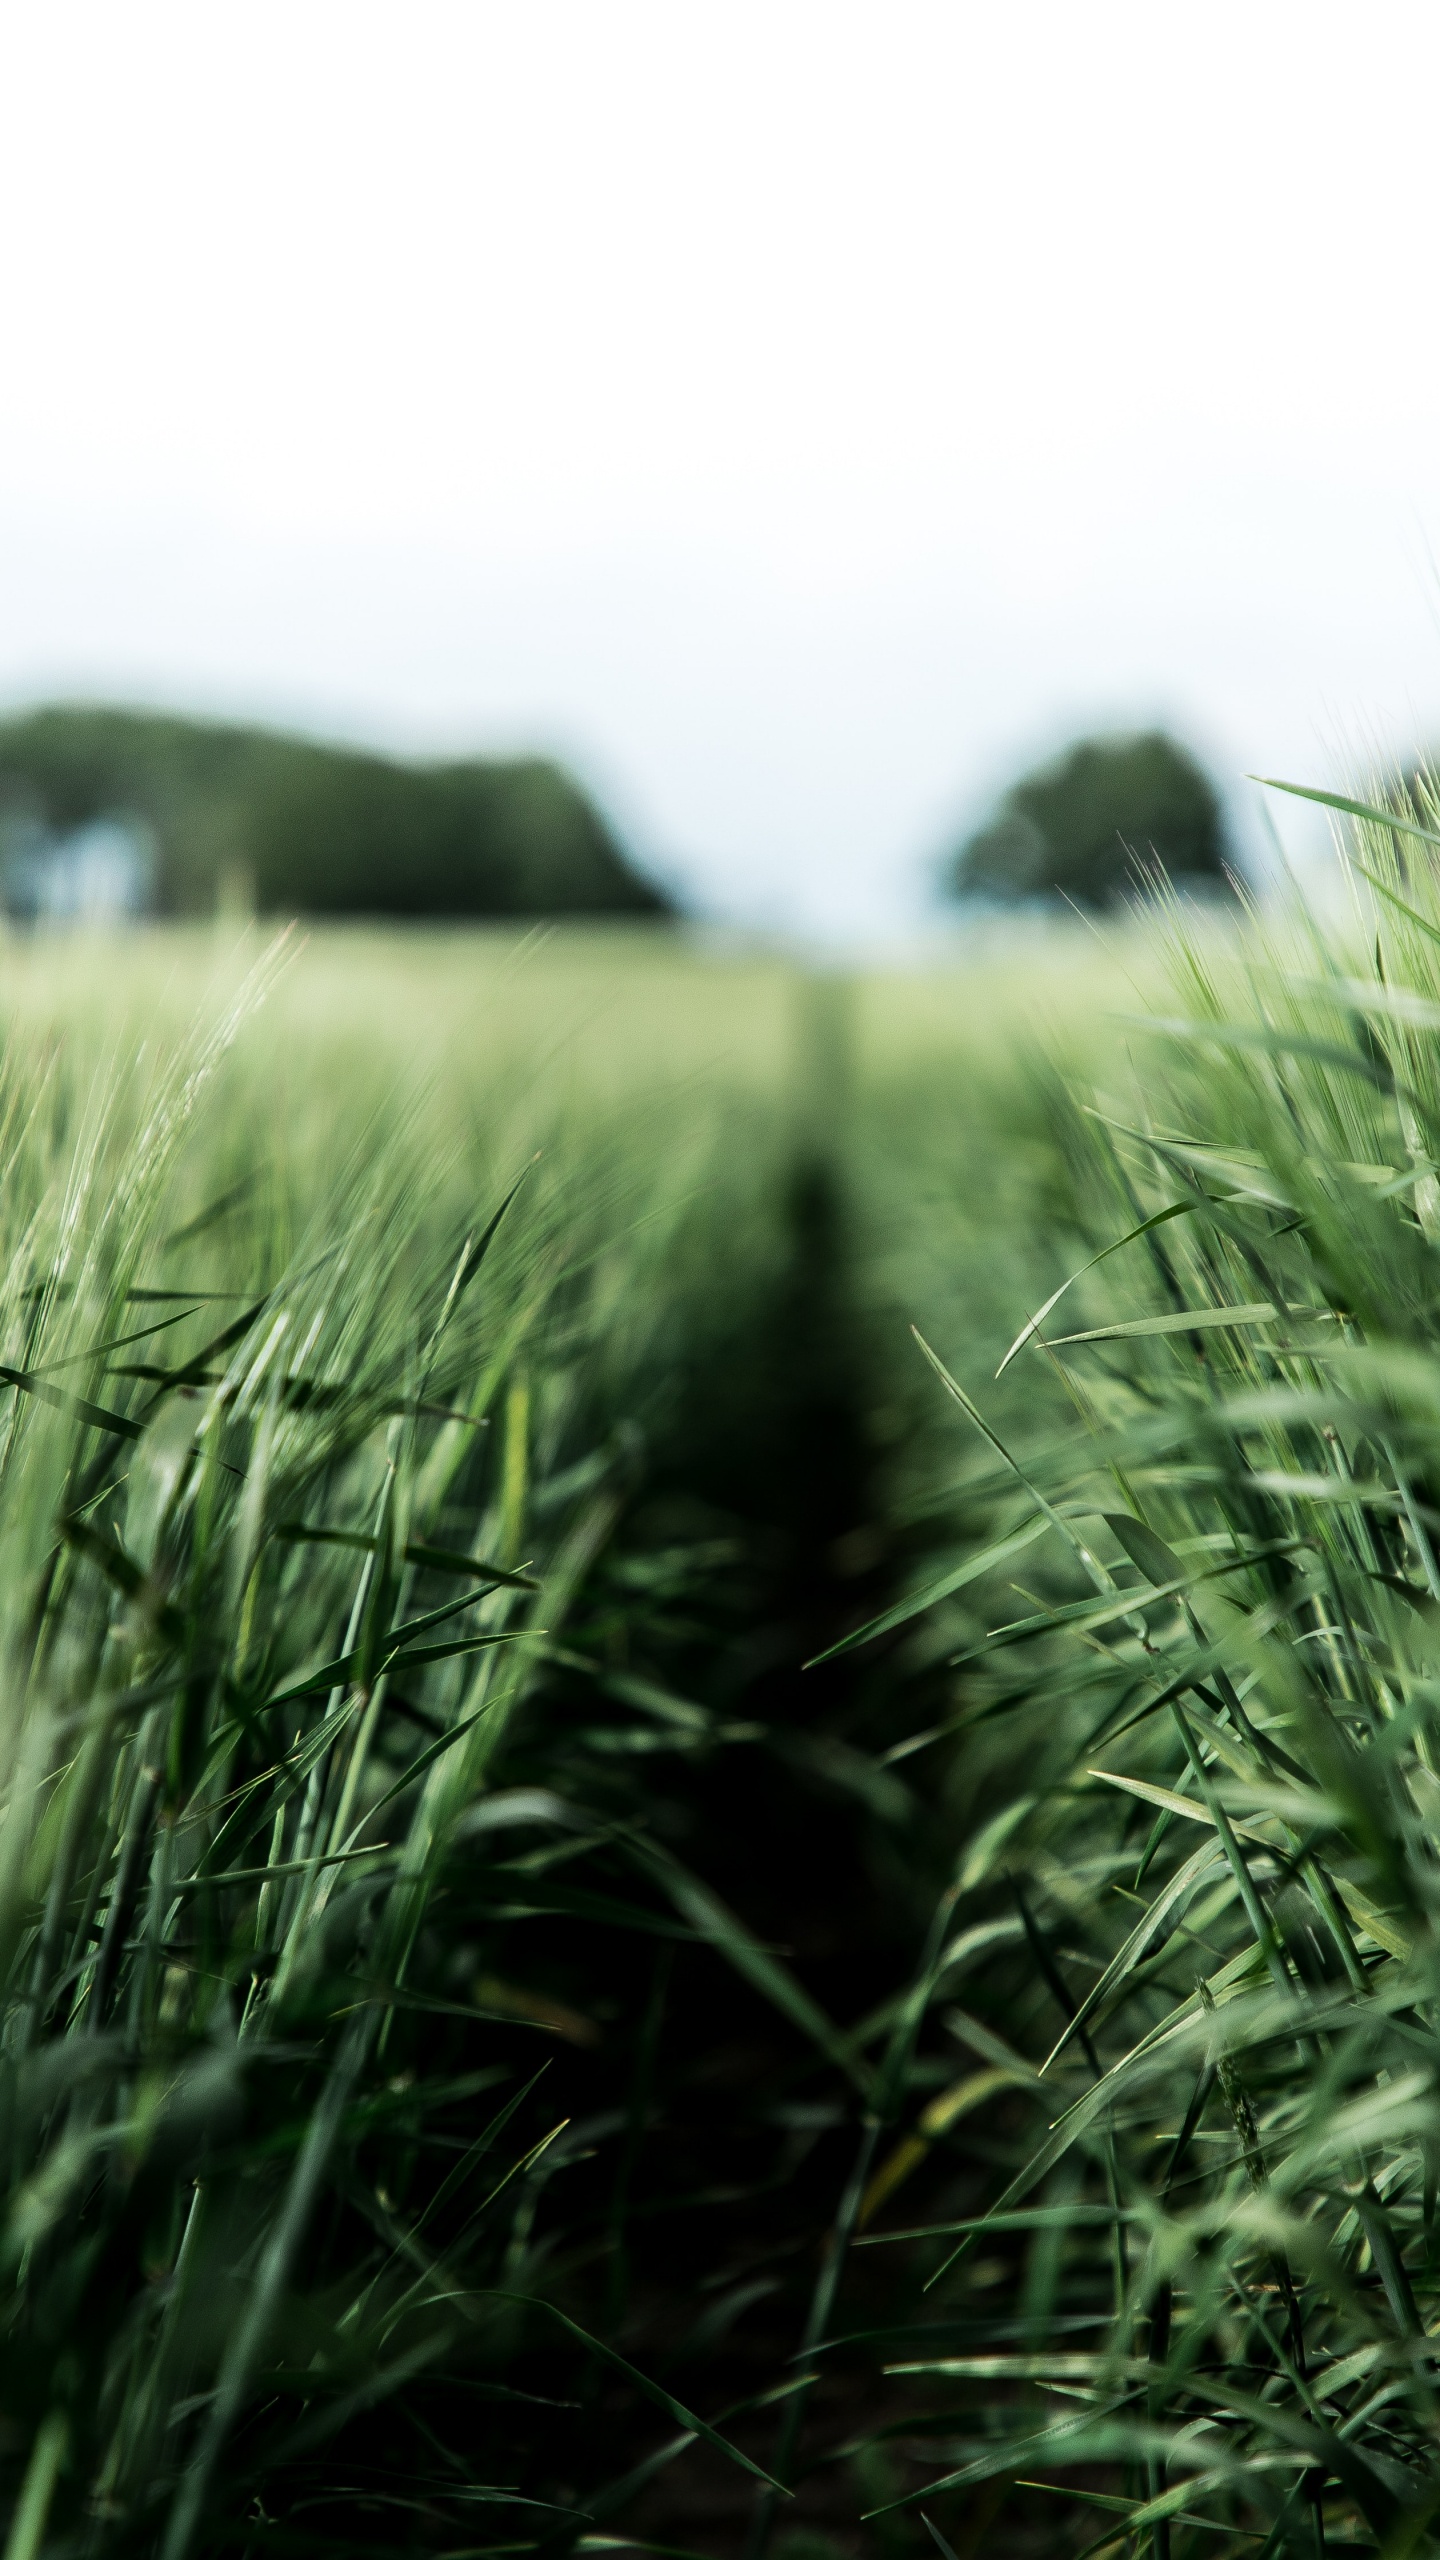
x=605, y=1006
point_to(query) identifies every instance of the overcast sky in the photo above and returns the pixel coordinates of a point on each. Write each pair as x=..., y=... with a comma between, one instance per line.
x=794, y=415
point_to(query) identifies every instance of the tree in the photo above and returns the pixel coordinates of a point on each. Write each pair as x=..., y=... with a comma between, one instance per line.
x=1088, y=826
x=311, y=829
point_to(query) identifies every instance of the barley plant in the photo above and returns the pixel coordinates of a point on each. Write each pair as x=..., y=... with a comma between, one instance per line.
x=1179, y=2285
x=290, y=1527
x=497, y=2055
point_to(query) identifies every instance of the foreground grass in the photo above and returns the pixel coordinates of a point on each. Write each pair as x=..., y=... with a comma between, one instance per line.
x=499, y=2056
x=262, y=1630
x=1183, y=2264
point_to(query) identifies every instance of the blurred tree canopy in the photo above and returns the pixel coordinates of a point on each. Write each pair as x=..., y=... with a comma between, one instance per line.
x=1086, y=826
x=281, y=824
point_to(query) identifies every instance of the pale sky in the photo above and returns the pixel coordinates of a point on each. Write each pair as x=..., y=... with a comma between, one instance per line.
x=794, y=415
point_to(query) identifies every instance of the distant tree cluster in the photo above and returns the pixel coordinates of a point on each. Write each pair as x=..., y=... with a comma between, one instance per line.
x=1091, y=824
x=288, y=826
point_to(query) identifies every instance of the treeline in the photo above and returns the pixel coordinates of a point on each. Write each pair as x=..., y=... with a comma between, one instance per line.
x=285, y=825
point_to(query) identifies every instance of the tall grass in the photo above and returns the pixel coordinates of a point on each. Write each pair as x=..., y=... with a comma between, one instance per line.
x=1182, y=2268
x=290, y=1450
x=465, y=1986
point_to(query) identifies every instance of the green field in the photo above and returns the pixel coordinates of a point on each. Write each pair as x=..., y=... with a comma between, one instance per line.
x=501, y=2056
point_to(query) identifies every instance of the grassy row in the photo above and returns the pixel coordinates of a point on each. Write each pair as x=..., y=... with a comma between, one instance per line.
x=1183, y=2271
x=262, y=1630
